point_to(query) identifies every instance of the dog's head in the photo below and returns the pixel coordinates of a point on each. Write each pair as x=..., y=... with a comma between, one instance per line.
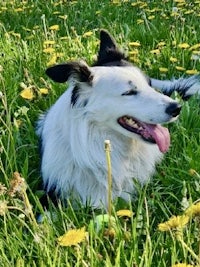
x=117, y=95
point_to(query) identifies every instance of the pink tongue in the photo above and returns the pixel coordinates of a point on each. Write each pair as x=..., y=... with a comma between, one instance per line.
x=160, y=135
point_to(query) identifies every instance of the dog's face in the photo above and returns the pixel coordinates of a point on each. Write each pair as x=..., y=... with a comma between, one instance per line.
x=118, y=95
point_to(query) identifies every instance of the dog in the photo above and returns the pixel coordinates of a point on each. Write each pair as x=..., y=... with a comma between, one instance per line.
x=111, y=100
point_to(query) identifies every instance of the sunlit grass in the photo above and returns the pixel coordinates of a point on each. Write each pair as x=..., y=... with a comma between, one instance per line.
x=163, y=39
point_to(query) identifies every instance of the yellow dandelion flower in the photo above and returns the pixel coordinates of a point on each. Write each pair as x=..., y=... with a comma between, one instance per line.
x=52, y=60
x=26, y=29
x=15, y=34
x=44, y=91
x=124, y=213
x=188, y=12
x=174, y=14
x=134, y=4
x=135, y=59
x=157, y=9
x=72, y=237
x=155, y=51
x=136, y=44
x=175, y=222
x=64, y=17
x=196, y=52
x=49, y=50
x=164, y=16
x=58, y=3
x=184, y=45
x=87, y=34
x=140, y=21
x=142, y=5
x=54, y=27
x=98, y=12
x=191, y=72
x=134, y=52
x=160, y=44
x=163, y=70
x=64, y=38
x=116, y=2
x=151, y=17
x=150, y=10
x=49, y=42
x=59, y=54
x=181, y=4
x=193, y=210
x=19, y=9
x=36, y=27
x=180, y=68
x=173, y=59
x=27, y=93
x=182, y=265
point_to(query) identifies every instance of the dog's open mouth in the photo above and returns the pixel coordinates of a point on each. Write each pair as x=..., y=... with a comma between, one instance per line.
x=153, y=133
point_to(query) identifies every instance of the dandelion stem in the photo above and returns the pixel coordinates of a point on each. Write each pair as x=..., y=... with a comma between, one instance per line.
x=108, y=160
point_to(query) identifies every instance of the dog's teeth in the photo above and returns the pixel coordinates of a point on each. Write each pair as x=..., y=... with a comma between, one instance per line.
x=132, y=123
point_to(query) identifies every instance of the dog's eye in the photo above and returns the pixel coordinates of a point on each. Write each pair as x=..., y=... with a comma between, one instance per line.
x=131, y=92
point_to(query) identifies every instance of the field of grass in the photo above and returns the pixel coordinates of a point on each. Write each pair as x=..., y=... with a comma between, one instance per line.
x=162, y=38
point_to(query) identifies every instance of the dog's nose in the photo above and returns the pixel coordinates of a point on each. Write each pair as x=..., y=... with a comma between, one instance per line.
x=173, y=109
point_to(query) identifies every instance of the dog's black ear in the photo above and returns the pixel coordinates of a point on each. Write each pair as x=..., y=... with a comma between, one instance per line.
x=109, y=52
x=106, y=42
x=60, y=73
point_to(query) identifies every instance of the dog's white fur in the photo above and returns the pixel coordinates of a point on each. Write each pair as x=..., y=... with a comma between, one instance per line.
x=73, y=131
x=73, y=138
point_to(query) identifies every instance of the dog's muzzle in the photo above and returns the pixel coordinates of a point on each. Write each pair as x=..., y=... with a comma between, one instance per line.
x=173, y=109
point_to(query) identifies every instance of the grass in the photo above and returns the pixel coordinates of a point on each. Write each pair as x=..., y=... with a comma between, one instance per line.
x=161, y=28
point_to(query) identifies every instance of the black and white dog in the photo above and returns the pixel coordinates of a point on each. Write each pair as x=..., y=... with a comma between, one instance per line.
x=111, y=100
